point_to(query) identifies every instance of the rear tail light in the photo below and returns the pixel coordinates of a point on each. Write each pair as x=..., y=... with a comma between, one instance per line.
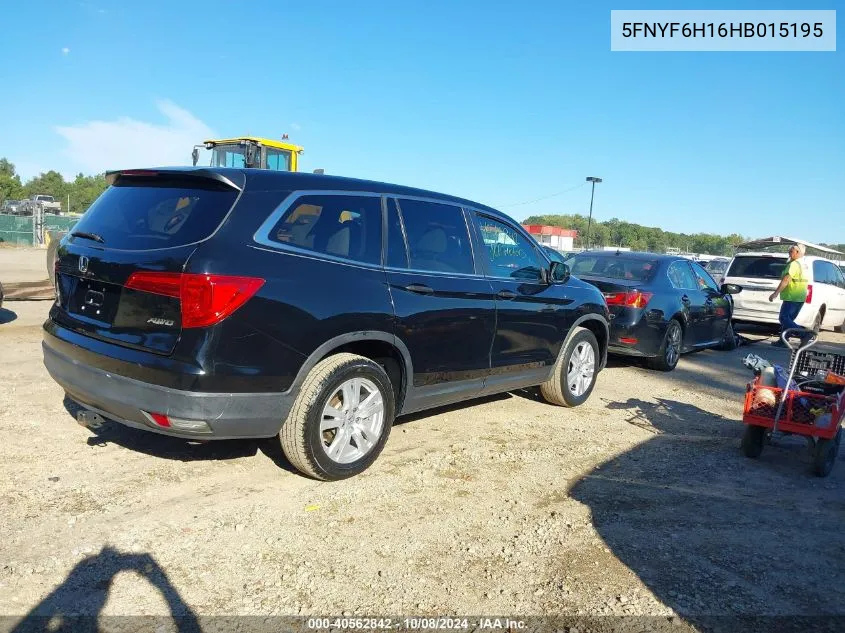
x=629, y=299
x=205, y=299
x=809, y=293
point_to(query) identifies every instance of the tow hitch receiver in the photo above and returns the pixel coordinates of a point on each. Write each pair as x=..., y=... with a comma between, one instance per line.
x=89, y=419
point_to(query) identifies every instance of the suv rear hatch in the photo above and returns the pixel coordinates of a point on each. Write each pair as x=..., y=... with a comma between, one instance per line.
x=759, y=276
x=120, y=272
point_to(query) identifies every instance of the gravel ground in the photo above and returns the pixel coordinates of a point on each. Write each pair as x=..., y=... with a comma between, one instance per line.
x=637, y=503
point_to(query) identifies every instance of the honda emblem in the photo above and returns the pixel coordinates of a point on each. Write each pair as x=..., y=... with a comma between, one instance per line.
x=83, y=264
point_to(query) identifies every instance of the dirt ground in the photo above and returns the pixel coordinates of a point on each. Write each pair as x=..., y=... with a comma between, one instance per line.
x=639, y=502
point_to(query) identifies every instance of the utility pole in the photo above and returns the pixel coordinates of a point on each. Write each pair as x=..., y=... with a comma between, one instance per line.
x=593, y=180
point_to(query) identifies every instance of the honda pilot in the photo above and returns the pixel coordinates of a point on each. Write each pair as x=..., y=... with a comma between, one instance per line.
x=208, y=303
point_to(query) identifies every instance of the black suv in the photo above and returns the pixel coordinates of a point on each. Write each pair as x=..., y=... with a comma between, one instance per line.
x=237, y=303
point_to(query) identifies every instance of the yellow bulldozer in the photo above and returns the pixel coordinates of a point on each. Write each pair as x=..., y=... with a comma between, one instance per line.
x=252, y=152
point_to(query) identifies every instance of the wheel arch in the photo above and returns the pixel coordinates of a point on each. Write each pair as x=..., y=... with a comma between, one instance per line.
x=600, y=328
x=381, y=347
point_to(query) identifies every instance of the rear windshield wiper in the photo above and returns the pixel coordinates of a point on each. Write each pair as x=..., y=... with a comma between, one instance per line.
x=90, y=236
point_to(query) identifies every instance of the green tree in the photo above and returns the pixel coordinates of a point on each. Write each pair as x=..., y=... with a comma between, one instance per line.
x=84, y=190
x=615, y=232
x=51, y=183
x=10, y=182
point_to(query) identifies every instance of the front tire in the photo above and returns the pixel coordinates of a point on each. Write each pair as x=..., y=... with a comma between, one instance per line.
x=670, y=349
x=574, y=374
x=729, y=342
x=341, y=418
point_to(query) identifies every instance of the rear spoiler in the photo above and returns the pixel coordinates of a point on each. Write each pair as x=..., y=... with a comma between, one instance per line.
x=200, y=174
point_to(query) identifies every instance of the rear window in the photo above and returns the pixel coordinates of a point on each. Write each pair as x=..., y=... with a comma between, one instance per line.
x=151, y=213
x=613, y=267
x=757, y=267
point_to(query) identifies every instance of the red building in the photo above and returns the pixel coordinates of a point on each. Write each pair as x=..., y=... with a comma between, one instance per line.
x=554, y=236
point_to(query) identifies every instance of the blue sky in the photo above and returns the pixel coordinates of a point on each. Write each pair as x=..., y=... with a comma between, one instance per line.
x=497, y=102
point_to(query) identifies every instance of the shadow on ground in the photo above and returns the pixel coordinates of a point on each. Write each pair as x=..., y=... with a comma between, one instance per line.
x=712, y=533
x=74, y=606
x=166, y=447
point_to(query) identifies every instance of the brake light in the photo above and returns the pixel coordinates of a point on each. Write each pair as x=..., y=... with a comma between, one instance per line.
x=629, y=299
x=809, y=293
x=205, y=299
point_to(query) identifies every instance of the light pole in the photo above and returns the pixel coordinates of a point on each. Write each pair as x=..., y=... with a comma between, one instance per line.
x=593, y=180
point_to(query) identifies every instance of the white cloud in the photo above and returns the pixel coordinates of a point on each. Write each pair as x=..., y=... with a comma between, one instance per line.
x=98, y=146
x=65, y=50
x=296, y=127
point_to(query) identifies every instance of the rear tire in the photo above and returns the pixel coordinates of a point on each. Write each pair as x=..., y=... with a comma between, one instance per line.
x=670, y=349
x=825, y=454
x=307, y=436
x=817, y=322
x=840, y=328
x=753, y=440
x=574, y=374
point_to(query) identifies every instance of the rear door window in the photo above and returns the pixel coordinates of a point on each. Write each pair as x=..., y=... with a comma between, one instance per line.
x=681, y=277
x=438, y=239
x=346, y=226
x=146, y=213
x=825, y=273
x=757, y=267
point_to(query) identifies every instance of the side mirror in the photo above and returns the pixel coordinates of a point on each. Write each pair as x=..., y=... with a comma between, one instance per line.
x=195, y=155
x=559, y=273
x=731, y=289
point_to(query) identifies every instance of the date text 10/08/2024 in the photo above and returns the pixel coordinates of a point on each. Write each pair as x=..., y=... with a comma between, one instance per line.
x=725, y=29
x=415, y=624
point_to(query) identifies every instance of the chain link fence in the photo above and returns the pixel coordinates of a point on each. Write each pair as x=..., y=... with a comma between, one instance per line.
x=16, y=230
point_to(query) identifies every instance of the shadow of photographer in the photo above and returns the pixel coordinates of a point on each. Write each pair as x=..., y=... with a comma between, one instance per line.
x=75, y=605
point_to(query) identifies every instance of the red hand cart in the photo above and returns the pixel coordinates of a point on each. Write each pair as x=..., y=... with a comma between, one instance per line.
x=808, y=406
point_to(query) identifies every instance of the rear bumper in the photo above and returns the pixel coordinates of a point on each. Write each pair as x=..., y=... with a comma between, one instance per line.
x=771, y=317
x=228, y=415
x=648, y=334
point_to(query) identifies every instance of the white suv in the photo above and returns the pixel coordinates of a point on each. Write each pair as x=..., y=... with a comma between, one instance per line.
x=760, y=273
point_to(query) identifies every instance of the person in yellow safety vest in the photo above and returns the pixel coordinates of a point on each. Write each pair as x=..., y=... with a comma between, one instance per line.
x=792, y=290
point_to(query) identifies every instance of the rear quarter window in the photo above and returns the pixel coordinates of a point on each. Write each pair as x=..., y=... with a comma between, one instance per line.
x=757, y=267
x=153, y=213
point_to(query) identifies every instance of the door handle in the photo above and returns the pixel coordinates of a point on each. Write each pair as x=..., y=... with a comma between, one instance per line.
x=506, y=295
x=420, y=289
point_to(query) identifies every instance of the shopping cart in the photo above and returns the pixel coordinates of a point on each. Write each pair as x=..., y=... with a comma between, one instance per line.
x=809, y=405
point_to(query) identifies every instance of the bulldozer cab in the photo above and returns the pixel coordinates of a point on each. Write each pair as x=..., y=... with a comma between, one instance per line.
x=251, y=152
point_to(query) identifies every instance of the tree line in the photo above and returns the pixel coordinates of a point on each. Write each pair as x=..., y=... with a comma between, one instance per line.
x=82, y=190
x=616, y=232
